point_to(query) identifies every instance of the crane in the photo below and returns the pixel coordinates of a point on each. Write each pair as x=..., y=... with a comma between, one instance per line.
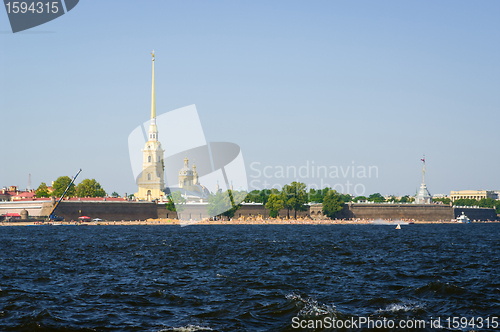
x=52, y=215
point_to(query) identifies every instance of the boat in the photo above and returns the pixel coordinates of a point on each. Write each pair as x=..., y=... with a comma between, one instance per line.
x=463, y=219
x=398, y=226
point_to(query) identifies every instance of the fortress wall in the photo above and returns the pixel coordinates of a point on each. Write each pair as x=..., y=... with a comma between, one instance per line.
x=476, y=214
x=198, y=212
x=34, y=208
x=421, y=212
x=71, y=210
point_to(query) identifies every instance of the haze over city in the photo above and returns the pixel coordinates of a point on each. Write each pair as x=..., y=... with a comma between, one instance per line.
x=334, y=84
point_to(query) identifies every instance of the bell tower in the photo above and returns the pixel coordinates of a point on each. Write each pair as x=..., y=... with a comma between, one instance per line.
x=151, y=181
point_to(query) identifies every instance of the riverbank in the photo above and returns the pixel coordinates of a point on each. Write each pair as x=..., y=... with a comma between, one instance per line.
x=249, y=221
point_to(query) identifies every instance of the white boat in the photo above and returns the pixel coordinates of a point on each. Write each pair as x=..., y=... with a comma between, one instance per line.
x=463, y=219
x=398, y=226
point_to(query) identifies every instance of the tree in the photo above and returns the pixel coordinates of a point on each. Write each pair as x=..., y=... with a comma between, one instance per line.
x=42, y=191
x=406, y=199
x=317, y=196
x=466, y=202
x=332, y=204
x=392, y=199
x=175, y=202
x=346, y=198
x=359, y=198
x=377, y=198
x=444, y=200
x=274, y=204
x=226, y=203
x=60, y=186
x=294, y=197
x=90, y=188
x=115, y=194
x=490, y=203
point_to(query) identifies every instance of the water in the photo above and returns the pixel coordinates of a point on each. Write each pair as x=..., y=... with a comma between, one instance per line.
x=243, y=278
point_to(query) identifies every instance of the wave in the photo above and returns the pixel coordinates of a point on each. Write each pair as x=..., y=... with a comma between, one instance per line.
x=187, y=328
x=401, y=307
x=441, y=288
x=310, y=307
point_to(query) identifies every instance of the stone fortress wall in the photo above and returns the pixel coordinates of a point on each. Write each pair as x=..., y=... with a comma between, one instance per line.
x=107, y=210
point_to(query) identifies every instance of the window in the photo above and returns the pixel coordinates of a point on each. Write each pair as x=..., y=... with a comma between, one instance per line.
x=149, y=176
x=149, y=159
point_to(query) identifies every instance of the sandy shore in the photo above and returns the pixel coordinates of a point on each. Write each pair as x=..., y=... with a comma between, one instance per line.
x=248, y=221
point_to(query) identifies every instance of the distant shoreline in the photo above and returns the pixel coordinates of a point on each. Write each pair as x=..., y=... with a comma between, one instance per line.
x=175, y=222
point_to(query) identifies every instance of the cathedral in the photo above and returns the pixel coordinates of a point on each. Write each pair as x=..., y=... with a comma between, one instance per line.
x=151, y=181
x=189, y=185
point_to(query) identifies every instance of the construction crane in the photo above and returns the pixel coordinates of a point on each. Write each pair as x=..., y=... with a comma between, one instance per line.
x=52, y=215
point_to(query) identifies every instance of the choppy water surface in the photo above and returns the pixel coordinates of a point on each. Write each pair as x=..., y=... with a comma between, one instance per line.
x=243, y=278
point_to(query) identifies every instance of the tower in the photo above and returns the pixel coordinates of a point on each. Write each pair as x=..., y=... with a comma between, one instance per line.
x=423, y=196
x=151, y=181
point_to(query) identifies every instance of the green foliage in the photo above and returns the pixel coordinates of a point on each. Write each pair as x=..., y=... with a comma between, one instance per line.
x=254, y=197
x=359, y=198
x=406, y=199
x=90, y=188
x=294, y=197
x=115, y=194
x=466, y=202
x=131, y=196
x=490, y=203
x=274, y=204
x=225, y=203
x=444, y=200
x=332, y=204
x=60, y=186
x=42, y=191
x=392, y=199
x=259, y=196
x=317, y=196
x=377, y=198
x=346, y=198
x=175, y=202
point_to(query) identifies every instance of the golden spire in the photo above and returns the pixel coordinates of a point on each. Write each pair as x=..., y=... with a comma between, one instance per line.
x=153, y=103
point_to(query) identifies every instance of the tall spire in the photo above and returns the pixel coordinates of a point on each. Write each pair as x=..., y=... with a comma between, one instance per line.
x=153, y=103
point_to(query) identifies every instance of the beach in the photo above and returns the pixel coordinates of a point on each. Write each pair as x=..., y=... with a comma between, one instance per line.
x=241, y=221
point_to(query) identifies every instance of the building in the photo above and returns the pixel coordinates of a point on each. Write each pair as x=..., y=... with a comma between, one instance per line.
x=473, y=194
x=423, y=196
x=151, y=181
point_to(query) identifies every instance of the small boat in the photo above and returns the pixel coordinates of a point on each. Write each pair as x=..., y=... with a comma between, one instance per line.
x=398, y=226
x=463, y=219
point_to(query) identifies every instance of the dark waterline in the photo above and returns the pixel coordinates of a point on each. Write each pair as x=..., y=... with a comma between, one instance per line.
x=244, y=277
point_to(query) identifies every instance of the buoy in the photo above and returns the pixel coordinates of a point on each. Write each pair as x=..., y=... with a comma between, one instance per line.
x=398, y=226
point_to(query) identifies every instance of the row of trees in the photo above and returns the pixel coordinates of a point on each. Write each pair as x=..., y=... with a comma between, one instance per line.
x=318, y=195
x=484, y=202
x=294, y=197
x=86, y=188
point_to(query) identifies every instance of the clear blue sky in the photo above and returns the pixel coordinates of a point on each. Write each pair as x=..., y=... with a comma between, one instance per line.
x=377, y=83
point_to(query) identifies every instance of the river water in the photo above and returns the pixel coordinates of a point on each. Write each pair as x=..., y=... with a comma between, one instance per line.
x=248, y=277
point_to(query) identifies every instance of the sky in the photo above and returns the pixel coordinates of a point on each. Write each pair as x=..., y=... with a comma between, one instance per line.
x=337, y=84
